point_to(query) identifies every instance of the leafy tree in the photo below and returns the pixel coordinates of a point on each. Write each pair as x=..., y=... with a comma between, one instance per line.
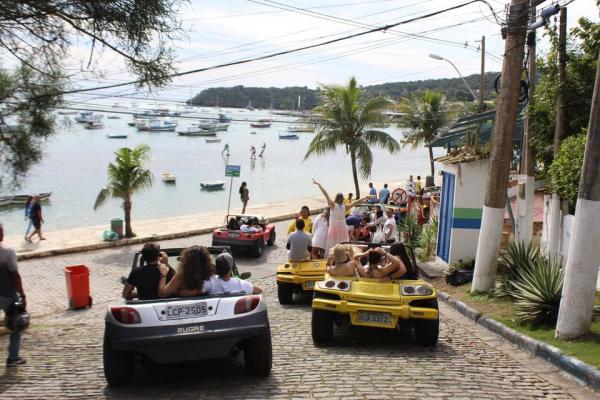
x=565, y=170
x=346, y=119
x=424, y=114
x=127, y=177
x=36, y=36
x=582, y=52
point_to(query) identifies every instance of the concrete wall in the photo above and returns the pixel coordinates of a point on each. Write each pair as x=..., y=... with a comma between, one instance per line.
x=469, y=194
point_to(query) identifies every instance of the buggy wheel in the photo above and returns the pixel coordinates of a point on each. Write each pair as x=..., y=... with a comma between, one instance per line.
x=258, y=355
x=285, y=293
x=272, y=237
x=118, y=365
x=322, y=326
x=427, y=330
x=259, y=245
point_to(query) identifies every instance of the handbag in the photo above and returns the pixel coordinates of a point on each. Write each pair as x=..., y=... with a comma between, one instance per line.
x=16, y=318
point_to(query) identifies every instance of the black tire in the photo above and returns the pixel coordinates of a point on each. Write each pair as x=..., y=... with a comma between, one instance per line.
x=258, y=248
x=118, y=365
x=322, y=326
x=258, y=355
x=285, y=293
x=90, y=302
x=272, y=237
x=427, y=330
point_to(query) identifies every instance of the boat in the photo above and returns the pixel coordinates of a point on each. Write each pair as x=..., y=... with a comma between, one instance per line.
x=213, y=185
x=193, y=131
x=168, y=177
x=87, y=116
x=253, y=133
x=300, y=128
x=221, y=127
x=223, y=118
x=113, y=117
x=214, y=140
x=67, y=112
x=117, y=136
x=288, y=136
x=5, y=200
x=261, y=123
x=204, y=125
x=131, y=123
x=22, y=198
x=249, y=106
x=157, y=125
x=94, y=125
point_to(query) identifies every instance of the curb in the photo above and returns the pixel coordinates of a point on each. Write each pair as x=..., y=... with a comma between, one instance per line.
x=136, y=240
x=579, y=369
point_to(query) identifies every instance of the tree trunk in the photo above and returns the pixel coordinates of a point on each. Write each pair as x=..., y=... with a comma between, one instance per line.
x=127, y=209
x=431, y=162
x=581, y=270
x=354, y=173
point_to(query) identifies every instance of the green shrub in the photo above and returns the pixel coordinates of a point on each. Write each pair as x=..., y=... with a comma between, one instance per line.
x=565, y=170
x=468, y=264
x=410, y=231
x=517, y=257
x=427, y=241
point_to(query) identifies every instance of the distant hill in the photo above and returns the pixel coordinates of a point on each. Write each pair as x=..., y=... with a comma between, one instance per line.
x=287, y=98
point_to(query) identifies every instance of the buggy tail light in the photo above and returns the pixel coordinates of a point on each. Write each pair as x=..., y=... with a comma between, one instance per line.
x=126, y=315
x=246, y=304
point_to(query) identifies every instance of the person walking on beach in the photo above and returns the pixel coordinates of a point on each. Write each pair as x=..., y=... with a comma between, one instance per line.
x=253, y=153
x=28, y=205
x=244, y=196
x=226, y=150
x=36, y=218
x=338, y=231
x=11, y=289
x=262, y=150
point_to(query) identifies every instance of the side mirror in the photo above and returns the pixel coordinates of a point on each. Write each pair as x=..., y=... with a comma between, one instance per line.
x=245, y=275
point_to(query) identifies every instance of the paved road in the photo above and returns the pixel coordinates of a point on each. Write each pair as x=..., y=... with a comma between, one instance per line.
x=63, y=349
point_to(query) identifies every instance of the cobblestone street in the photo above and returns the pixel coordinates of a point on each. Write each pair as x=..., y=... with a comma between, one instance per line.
x=64, y=350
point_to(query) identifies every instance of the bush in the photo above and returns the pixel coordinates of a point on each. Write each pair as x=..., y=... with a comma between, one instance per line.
x=410, y=231
x=517, y=258
x=565, y=170
x=465, y=265
x=428, y=239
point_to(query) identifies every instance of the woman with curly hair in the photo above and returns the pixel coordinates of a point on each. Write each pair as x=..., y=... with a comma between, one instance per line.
x=195, y=267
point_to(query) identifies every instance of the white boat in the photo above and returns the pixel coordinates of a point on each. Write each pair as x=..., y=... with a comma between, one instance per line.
x=261, y=123
x=195, y=131
x=117, y=136
x=5, y=200
x=221, y=126
x=288, y=136
x=213, y=140
x=168, y=177
x=157, y=125
x=213, y=185
x=22, y=198
x=113, y=117
x=94, y=125
x=87, y=116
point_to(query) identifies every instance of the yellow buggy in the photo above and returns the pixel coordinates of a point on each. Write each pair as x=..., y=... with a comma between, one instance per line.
x=298, y=276
x=371, y=303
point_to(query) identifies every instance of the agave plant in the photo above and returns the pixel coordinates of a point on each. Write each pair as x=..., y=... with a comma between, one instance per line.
x=427, y=241
x=410, y=231
x=537, y=292
x=512, y=263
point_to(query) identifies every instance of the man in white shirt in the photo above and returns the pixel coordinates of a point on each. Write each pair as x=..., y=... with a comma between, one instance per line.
x=390, y=230
x=249, y=227
x=229, y=284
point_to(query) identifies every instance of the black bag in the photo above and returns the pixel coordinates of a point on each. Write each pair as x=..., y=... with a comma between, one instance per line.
x=16, y=318
x=459, y=277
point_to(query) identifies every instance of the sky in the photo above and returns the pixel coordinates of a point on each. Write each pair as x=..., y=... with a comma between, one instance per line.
x=219, y=31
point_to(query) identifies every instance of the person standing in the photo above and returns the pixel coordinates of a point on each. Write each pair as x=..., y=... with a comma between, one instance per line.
x=390, y=229
x=384, y=194
x=338, y=230
x=28, y=205
x=253, y=152
x=226, y=150
x=308, y=223
x=262, y=150
x=244, y=196
x=418, y=186
x=348, y=200
x=36, y=218
x=11, y=289
x=372, y=194
x=320, y=228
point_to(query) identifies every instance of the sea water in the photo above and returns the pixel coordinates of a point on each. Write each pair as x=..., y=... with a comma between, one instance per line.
x=74, y=169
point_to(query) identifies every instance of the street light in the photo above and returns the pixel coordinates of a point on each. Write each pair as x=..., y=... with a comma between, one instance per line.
x=436, y=57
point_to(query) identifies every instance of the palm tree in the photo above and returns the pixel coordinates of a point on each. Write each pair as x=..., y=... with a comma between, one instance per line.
x=424, y=114
x=345, y=119
x=126, y=177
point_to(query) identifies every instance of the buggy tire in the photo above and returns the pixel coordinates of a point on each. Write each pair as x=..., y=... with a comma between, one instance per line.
x=272, y=237
x=258, y=355
x=285, y=293
x=258, y=248
x=118, y=365
x=427, y=330
x=322, y=326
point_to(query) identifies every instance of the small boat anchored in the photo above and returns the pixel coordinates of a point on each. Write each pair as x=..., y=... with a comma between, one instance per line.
x=22, y=198
x=94, y=125
x=212, y=185
x=168, y=177
x=288, y=136
x=212, y=140
x=117, y=136
x=196, y=131
x=261, y=123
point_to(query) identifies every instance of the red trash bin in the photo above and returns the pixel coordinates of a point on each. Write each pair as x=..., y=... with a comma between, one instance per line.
x=78, y=286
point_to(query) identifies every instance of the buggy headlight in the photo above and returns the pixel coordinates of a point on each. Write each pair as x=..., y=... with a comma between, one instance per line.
x=333, y=284
x=417, y=290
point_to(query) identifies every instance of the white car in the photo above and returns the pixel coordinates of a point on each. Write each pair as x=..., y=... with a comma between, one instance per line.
x=184, y=329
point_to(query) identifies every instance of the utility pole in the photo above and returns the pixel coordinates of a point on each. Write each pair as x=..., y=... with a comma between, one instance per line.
x=581, y=270
x=482, y=78
x=555, y=214
x=501, y=154
x=526, y=182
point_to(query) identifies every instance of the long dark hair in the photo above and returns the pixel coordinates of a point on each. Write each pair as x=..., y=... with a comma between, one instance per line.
x=28, y=202
x=195, y=267
x=242, y=186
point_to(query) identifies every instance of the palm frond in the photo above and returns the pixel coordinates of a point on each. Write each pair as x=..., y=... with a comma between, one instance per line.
x=364, y=157
x=103, y=195
x=382, y=140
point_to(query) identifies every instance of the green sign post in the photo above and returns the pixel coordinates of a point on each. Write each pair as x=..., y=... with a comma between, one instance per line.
x=231, y=171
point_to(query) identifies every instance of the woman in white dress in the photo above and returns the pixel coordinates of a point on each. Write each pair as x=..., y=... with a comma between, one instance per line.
x=320, y=228
x=338, y=230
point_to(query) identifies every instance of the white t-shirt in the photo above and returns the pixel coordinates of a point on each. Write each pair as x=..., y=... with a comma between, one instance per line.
x=212, y=285
x=235, y=285
x=390, y=230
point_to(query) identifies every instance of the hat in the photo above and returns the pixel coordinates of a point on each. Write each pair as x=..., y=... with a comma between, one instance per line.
x=339, y=254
